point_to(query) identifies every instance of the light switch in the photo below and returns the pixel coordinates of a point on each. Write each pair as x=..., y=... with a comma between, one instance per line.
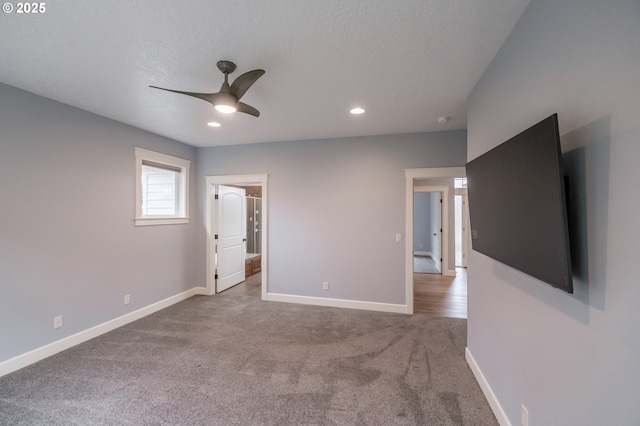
x=398, y=238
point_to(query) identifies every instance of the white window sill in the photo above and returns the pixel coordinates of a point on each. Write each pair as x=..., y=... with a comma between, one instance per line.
x=146, y=221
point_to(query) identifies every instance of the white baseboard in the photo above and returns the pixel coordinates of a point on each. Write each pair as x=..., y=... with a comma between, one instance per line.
x=422, y=253
x=38, y=354
x=450, y=273
x=486, y=389
x=337, y=303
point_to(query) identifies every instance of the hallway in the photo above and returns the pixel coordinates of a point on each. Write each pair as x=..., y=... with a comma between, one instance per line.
x=440, y=295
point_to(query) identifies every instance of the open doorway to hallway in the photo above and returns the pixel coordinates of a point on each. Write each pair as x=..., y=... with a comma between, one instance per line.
x=428, y=232
x=437, y=291
x=443, y=293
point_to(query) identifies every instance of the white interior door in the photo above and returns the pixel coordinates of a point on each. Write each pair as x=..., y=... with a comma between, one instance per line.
x=231, y=228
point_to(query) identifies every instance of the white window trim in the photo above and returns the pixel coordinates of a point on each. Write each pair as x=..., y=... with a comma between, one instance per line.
x=156, y=157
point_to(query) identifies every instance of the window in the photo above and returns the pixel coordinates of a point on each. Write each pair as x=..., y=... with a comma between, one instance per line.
x=162, y=189
x=460, y=182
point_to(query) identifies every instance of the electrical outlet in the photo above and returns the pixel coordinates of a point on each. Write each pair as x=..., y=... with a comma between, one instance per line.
x=57, y=321
x=127, y=299
x=325, y=285
x=524, y=416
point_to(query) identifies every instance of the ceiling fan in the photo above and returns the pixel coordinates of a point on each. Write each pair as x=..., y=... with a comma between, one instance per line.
x=227, y=100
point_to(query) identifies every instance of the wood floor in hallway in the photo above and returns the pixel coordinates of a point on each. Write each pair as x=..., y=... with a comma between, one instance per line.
x=440, y=295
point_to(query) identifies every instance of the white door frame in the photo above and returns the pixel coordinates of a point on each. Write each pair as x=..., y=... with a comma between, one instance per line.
x=211, y=225
x=465, y=224
x=411, y=176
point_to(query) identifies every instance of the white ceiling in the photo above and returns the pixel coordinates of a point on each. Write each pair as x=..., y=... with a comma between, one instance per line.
x=407, y=62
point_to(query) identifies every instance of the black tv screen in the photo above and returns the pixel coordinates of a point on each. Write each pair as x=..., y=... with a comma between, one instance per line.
x=517, y=205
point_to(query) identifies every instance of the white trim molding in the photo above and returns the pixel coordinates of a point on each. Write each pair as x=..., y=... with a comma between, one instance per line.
x=38, y=354
x=337, y=303
x=501, y=416
x=436, y=172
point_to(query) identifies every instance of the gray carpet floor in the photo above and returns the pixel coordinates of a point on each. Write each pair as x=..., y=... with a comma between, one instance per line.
x=235, y=360
x=424, y=265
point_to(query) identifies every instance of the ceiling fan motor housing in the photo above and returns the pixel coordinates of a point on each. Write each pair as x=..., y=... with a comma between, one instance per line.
x=227, y=67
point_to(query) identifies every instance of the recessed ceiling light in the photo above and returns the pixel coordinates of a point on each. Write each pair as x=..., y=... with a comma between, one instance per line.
x=213, y=124
x=443, y=120
x=357, y=111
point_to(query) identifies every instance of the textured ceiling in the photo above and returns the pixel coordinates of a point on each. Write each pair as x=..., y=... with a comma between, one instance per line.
x=407, y=62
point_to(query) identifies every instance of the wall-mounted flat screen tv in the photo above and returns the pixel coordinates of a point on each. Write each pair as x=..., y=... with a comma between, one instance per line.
x=517, y=205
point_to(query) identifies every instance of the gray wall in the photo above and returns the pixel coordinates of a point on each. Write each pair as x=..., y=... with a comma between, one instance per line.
x=571, y=359
x=421, y=221
x=68, y=245
x=334, y=208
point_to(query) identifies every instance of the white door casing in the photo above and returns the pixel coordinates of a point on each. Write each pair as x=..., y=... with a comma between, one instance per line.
x=230, y=244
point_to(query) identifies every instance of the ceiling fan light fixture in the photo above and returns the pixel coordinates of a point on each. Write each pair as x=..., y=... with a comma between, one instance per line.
x=226, y=109
x=227, y=100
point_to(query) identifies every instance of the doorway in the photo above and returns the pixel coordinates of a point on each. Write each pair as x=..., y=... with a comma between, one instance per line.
x=213, y=227
x=429, y=233
x=426, y=177
x=443, y=291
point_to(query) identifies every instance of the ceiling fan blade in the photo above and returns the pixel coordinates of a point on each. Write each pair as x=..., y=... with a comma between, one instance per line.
x=248, y=109
x=204, y=96
x=242, y=83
